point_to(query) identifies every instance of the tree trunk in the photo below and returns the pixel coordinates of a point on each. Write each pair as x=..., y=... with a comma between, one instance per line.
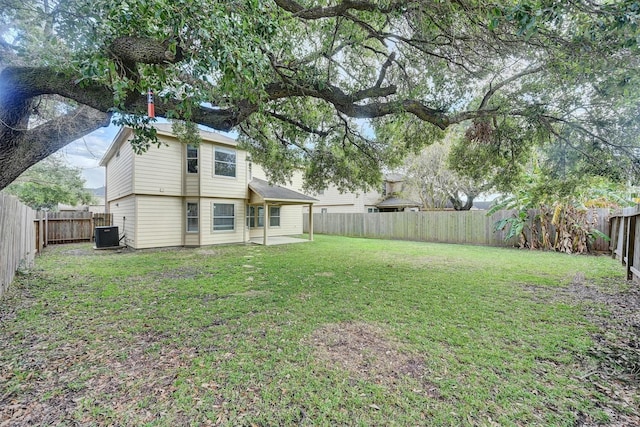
x=457, y=203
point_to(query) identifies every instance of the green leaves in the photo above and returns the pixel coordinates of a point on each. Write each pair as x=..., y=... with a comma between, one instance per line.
x=48, y=183
x=144, y=135
x=327, y=85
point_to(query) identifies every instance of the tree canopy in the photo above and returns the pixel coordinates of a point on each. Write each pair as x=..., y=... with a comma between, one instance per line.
x=50, y=182
x=339, y=88
x=430, y=176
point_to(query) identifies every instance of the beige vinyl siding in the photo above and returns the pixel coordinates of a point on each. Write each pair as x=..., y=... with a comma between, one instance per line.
x=192, y=184
x=318, y=208
x=290, y=223
x=124, y=217
x=297, y=182
x=348, y=202
x=290, y=215
x=161, y=221
x=119, y=173
x=210, y=237
x=297, y=179
x=258, y=172
x=222, y=186
x=159, y=170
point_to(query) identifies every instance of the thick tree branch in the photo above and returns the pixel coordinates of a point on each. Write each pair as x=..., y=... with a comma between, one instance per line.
x=494, y=88
x=338, y=10
x=384, y=68
x=342, y=10
x=298, y=124
x=20, y=150
x=138, y=50
x=26, y=83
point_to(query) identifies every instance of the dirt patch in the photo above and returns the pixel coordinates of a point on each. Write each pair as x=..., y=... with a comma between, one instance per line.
x=82, y=385
x=326, y=274
x=184, y=273
x=613, y=363
x=614, y=307
x=367, y=353
x=209, y=252
x=178, y=273
x=252, y=293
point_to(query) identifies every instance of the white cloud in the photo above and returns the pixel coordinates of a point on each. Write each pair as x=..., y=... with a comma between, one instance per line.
x=85, y=153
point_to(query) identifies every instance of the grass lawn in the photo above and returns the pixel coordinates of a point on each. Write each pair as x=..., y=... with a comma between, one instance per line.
x=336, y=332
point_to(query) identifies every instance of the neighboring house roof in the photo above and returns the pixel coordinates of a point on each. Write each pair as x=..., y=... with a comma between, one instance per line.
x=482, y=205
x=396, y=202
x=275, y=193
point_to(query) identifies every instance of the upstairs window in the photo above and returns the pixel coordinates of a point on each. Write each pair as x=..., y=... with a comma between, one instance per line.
x=224, y=162
x=192, y=159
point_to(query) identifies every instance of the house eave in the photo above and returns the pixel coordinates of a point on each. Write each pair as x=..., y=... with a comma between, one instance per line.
x=121, y=136
x=262, y=192
x=286, y=201
x=165, y=129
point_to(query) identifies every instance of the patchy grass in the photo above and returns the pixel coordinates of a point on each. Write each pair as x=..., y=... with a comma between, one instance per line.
x=340, y=331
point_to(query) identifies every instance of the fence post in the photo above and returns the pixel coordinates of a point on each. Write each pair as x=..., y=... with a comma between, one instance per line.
x=625, y=235
x=46, y=228
x=613, y=235
x=631, y=238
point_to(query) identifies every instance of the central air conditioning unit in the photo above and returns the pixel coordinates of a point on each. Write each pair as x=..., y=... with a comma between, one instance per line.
x=107, y=237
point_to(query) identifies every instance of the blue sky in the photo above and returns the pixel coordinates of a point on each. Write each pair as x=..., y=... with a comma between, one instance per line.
x=85, y=153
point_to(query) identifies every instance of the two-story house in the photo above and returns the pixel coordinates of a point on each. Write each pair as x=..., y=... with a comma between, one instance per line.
x=389, y=199
x=184, y=195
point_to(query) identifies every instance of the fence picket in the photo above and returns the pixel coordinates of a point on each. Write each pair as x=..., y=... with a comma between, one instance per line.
x=625, y=240
x=469, y=227
x=17, y=242
x=70, y=227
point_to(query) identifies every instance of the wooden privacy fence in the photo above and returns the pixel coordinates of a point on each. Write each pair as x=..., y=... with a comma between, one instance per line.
x=70, y=227
x=467, y=227
x=17, y=238
x=625, y=240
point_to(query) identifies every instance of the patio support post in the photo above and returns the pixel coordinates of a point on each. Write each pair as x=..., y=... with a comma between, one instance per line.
x=310, y=221
x=246, y=223
x=266, y=221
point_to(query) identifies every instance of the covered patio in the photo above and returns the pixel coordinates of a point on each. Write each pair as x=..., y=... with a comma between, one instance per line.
x=264, y=195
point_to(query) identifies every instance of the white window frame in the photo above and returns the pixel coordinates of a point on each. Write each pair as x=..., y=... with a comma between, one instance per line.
x=196, y=216
x=196, y=158
x=253, y=213
x=272, y=216
x=235, y=162
x=213, y=218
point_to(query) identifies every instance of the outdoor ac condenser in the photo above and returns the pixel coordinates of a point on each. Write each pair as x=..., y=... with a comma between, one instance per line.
x=107, y=237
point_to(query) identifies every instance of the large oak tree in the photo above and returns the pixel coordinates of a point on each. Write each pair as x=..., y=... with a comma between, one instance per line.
x=340, y=88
